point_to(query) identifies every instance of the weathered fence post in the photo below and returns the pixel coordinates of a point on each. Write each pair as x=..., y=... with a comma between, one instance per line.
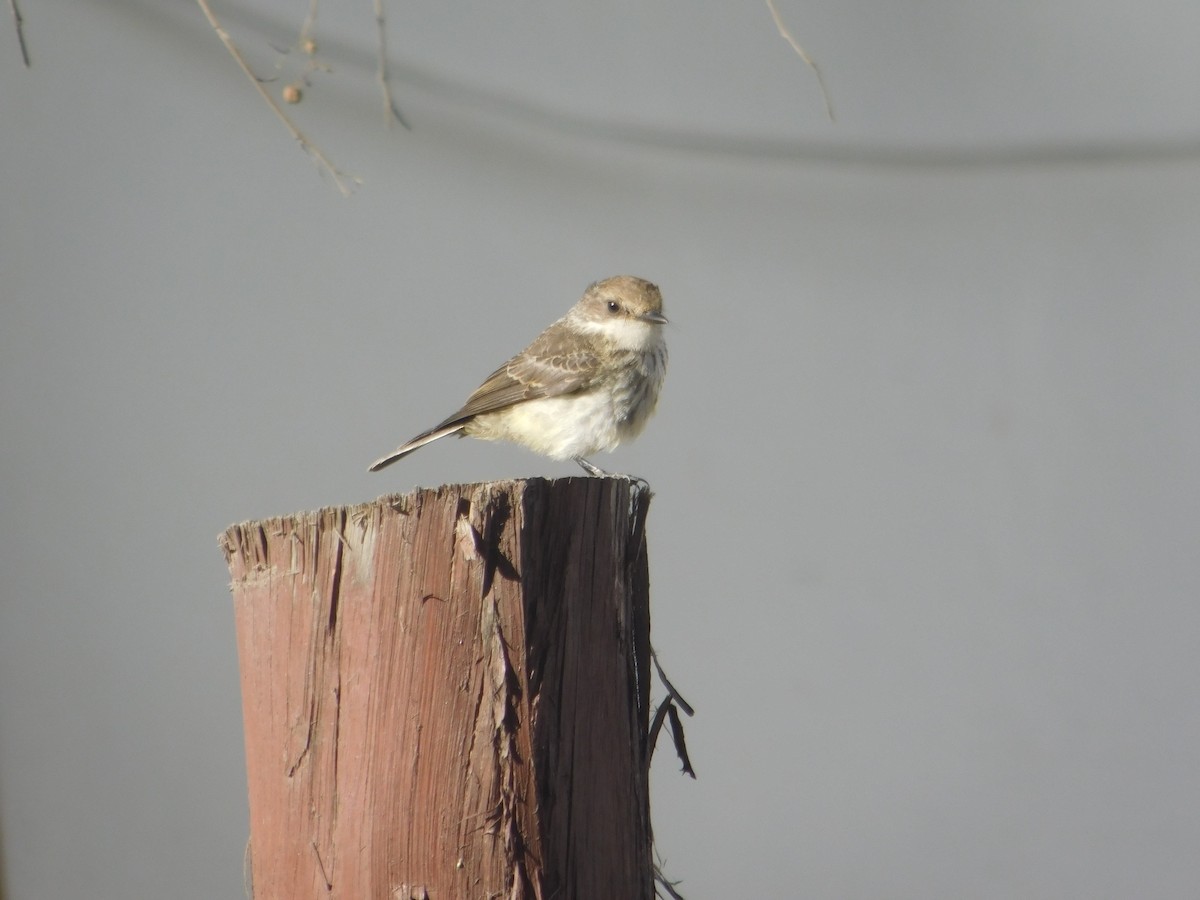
x=446, y=694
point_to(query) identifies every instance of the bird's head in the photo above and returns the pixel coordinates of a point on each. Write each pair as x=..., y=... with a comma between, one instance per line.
x=625, y=310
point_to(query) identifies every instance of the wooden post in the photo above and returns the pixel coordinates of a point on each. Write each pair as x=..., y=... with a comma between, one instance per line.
x=446, y=694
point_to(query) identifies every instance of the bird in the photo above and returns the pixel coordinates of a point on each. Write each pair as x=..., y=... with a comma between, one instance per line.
x=587, y=383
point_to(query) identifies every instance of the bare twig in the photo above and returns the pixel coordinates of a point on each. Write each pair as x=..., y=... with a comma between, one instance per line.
x=20, y=23
x=390, y=109
x=339, y=178
x=294, y=92
x=310, y=22
x=808, y=61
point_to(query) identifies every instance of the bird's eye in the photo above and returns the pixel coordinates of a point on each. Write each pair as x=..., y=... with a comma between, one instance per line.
x=614, y=306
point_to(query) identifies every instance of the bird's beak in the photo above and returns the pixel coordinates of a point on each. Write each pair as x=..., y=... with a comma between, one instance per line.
x=656, y=318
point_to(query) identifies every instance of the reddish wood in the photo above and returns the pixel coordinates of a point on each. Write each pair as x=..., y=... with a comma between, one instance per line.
x=446, y=694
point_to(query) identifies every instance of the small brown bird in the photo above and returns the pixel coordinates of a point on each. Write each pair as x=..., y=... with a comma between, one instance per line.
x=588, y=382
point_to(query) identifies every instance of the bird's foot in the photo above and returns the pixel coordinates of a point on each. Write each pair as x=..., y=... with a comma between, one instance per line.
x=592, y=469
x=596, y=472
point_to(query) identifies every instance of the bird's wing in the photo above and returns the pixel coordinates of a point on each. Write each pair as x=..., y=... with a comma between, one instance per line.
x=556, y=363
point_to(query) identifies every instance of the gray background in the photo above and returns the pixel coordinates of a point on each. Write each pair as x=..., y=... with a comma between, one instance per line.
x=924, y=542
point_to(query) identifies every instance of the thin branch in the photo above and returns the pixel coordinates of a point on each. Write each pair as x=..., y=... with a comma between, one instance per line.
x=20, y=23
x=310, y=22
x=390, y=109
x=808, y=61
x=339, y=178
x=308, y=46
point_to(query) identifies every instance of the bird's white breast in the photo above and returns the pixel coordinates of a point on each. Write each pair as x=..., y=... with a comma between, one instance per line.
x=614, y=409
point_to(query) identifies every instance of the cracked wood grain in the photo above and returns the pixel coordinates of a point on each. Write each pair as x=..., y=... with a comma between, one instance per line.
x=449, y=689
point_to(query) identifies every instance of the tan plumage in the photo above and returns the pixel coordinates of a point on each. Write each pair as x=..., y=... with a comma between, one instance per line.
x=586, y=383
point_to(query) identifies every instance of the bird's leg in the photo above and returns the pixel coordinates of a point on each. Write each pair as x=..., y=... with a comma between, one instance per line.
x=594, y=471
x=597, y=472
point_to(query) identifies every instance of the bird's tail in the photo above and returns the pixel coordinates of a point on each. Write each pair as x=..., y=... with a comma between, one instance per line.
x=416, y=443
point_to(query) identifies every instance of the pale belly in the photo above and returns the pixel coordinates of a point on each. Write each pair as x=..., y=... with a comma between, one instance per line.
x=579, y=424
